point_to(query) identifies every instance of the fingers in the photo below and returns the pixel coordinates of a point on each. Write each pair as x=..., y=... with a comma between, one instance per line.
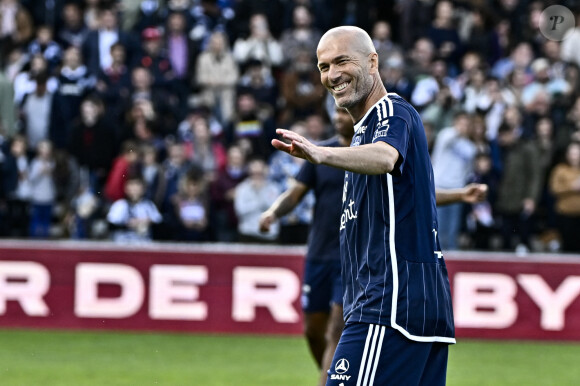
x=279, y=145
x=291, y=136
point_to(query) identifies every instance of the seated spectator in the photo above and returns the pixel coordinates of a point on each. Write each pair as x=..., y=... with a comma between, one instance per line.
x=75, y=83
x=45, y=45
x=150, y=169
x=302, y=37
x=444, y=35
x=192, y=207
x=216, y=76
x=427, y=88
x=131, y=218
x=124, y=166
x=35, y=112
x=180, y=49
x=222, y=192
x=16, y=187
x=165, y=105
x=381, y=36
x=25, y=82
x=208, y=16
x=519, y=188
x=420, y=59
x=155, y=59
x=570, y=130
x=316, y=128
x=17, y=27
x=201, y=149
x=172, y=169
x=253, y=196
x=73, y=32
x=114, y=82
x=393, y=76
x=97, y=45
x=259, y=82
x=92, y=142
x=452, y=158
x=543, y=86
x=42, y=190
x=480, y=219
x=142, y=125
x=565, y=185
x=520, y=59
x=259, y=45
x=252, y=124
x=182, y=54
x=301, y=89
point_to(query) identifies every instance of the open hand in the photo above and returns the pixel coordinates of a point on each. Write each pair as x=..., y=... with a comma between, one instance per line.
x=298, y=147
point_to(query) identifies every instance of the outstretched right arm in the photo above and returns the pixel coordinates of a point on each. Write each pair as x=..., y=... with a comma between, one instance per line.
x=283, y=205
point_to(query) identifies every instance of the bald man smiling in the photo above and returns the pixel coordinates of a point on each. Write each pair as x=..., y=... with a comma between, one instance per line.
x=397, y=301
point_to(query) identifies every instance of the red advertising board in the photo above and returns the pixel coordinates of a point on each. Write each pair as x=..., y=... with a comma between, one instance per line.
x=171, y=288
x=250, y=289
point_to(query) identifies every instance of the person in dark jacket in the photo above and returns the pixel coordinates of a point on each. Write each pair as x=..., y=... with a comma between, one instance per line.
x=92, y=142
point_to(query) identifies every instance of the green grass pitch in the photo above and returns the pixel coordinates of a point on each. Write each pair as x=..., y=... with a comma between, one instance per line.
x=47, y=358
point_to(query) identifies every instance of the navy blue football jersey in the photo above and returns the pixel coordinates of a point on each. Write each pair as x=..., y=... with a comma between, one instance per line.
x=326, y=181
x=393, y=270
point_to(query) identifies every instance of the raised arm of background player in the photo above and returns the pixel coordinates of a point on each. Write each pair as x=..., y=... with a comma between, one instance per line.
x=469, y=194
x=283, y=205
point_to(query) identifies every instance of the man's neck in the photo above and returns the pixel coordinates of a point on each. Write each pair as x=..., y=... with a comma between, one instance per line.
x=377, y=93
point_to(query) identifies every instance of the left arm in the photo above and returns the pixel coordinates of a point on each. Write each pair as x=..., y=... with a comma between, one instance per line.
x=374, y=158
x=470, y=194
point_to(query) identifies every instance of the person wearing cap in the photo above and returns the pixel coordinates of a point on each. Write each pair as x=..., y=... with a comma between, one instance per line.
x=154, y=57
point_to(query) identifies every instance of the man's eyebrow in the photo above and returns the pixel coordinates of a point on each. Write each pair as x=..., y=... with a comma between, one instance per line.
x=334, y=60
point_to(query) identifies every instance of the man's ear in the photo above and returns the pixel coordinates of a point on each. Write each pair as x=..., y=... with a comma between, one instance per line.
x=374, y=62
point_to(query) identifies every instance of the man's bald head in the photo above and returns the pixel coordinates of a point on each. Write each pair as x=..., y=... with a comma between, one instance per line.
x=349, y=36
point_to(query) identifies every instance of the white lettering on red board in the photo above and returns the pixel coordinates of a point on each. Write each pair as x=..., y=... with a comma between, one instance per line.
x=487, y=300
x=88, y=303
x=25, y=282
x=481, y=300
x=174, y=291
x=273, y=288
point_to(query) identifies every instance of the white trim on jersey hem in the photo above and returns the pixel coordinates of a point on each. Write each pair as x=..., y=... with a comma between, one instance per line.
x=394, y=266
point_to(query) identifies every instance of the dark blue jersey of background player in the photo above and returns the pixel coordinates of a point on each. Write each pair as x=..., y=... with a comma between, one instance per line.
x=393, y=263
x=323, y=241
x=322, y=292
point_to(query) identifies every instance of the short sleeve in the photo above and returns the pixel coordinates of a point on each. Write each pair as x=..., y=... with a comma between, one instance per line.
x=395, y=132
x=307, y=174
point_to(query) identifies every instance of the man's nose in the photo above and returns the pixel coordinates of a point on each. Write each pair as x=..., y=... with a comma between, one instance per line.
x=334, y=73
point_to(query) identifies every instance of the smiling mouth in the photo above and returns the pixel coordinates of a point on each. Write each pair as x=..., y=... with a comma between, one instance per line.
x=340, y=87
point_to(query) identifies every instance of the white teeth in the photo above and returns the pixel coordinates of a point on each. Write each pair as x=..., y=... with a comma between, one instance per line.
x=340, y=87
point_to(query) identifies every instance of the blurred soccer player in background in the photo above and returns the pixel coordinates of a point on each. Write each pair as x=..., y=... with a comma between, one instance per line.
x=322, y=288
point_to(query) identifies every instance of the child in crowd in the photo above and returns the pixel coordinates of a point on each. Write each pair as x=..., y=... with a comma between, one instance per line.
x=42, y=190
x=191, y=207
x=131, y=218
x=16, y=188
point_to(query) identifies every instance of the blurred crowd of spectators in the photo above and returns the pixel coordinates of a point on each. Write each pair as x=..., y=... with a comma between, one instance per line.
x=140, y=120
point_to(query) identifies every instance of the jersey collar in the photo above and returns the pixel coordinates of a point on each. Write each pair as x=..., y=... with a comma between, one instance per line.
x=358, y=125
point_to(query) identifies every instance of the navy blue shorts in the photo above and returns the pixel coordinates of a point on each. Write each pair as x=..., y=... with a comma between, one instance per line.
x=322, y=286
x=369, y=354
